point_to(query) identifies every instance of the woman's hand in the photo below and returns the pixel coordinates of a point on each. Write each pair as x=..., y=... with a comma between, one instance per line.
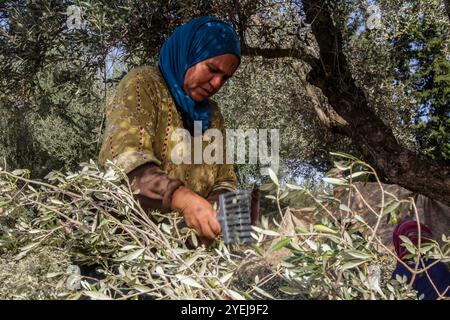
x=198, y=213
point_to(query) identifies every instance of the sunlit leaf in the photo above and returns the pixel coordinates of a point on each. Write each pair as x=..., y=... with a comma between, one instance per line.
x=336, y=181
x=131, y=256
x=273, y=176
x=351, y=265
x=189, y=281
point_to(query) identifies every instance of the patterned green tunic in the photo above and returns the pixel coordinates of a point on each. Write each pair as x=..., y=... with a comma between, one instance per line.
x=139, y=122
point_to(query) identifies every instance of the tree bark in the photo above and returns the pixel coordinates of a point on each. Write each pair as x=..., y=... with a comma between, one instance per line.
x=326, y=114
x=372, y=137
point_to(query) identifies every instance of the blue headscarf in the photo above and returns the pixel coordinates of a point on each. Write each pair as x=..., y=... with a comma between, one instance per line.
x=199, y=39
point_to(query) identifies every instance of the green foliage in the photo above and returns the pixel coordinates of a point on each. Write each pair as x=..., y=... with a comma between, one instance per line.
x=423, y=62
x=50, y=89
x=97, y=222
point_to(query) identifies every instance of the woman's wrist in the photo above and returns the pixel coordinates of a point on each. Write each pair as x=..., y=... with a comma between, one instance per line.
x=179, y=199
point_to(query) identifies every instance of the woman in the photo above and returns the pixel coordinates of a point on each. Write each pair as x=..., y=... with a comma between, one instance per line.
x=150, y=103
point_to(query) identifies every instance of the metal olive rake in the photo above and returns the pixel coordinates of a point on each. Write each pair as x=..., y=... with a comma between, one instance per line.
x=234, y=216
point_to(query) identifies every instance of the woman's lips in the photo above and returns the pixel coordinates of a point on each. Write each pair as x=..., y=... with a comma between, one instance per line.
x=204, y=92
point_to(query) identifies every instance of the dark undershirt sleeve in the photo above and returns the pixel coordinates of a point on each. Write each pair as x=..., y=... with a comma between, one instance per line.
x=155, y=187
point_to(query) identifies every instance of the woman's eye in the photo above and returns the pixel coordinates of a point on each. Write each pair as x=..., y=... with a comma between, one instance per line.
x=212, y=69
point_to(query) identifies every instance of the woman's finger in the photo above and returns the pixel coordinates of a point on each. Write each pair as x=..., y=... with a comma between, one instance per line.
x=215, y=226
x=207, y=230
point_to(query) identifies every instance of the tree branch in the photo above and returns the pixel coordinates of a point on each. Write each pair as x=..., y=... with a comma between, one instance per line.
x=274, y=53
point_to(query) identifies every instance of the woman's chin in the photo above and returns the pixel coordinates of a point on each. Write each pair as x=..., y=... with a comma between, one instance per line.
x=198, y=98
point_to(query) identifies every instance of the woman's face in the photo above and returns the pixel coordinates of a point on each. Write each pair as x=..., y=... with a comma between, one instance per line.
x=205, y=78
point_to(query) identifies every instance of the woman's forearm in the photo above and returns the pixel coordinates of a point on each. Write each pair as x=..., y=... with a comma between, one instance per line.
x=155, y=187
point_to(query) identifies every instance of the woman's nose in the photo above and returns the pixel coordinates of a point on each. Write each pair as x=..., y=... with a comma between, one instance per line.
x=216, y=82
